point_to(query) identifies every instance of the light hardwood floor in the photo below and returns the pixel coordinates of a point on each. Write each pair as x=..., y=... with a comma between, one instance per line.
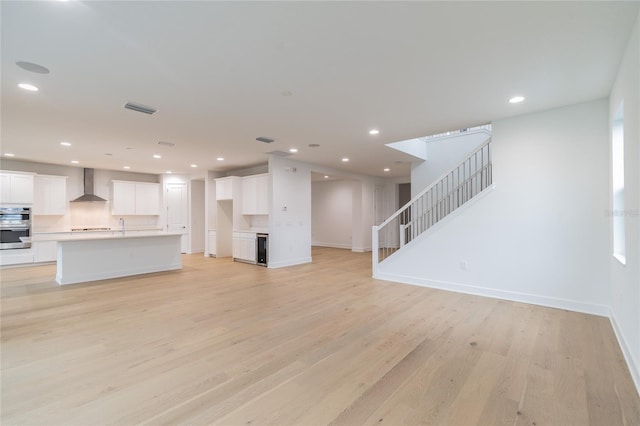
x=229, y=343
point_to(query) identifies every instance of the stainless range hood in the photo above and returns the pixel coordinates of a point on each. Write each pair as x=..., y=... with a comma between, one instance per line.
x=88, y=189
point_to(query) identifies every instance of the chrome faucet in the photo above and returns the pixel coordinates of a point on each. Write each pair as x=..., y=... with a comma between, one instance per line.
x=122, y=225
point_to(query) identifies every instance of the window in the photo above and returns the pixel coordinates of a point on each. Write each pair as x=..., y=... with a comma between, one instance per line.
x=617, y=179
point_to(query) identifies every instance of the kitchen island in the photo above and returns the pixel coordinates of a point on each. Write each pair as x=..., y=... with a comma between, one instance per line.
x=82, y=258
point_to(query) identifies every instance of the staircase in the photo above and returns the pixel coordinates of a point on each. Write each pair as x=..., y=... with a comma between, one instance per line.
x=450, y=191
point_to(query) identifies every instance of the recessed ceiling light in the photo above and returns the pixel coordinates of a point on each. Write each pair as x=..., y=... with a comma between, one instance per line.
x=194, y=165
x=27, y=86
x=74, y=161
x=293, y=150
x=168, y=172
x=220, y=158
x=516, y=99
x=345, y=159
x=30, y=66
x=126, y=167
x=374, y=132
x=65, y=143
x=326, y=177
x=387, y=169
x=157, y=156
x=8, y=154
x=314, y=145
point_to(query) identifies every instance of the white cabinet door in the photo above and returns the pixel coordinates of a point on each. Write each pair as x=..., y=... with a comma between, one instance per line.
x=262, y=194
x=255, y=194
x=249, y=195
x=250, y=249
x=22, y=189
x=16, y=189
x=212, y=243
x=44, y=251
x=50, y=195
x=147, y=199
x=5, y=189
x=244, y=246
x=237, y=248
x=124, y=198
x=224, y=189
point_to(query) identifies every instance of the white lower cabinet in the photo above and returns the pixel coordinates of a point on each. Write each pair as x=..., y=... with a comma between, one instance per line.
x=44, y=251
x=244, y=246
x=16, y=257
x=212, y=243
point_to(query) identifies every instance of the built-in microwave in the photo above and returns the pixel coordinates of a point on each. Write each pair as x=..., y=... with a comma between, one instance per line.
x=15, y=223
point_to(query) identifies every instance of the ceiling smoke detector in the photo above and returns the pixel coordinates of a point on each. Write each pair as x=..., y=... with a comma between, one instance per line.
x=140, y=108
x=265, y=140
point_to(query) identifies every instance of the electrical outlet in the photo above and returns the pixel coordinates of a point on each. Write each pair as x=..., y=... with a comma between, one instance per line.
x=463, y=265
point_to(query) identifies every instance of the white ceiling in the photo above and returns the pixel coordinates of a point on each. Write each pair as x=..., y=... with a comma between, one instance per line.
x=223, y=73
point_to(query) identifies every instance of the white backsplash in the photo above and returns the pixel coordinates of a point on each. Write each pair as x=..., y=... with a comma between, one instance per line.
x=90, y=215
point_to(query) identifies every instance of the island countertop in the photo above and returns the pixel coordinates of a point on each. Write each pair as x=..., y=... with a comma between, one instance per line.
x=81, y=236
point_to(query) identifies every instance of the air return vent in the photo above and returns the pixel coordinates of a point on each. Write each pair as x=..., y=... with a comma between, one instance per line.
x=140, y=108
x=265, y=140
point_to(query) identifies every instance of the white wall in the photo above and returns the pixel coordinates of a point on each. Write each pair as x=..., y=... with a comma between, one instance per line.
x=331, y=217
x=290, y=228
x=442, y=155
x=625, y=279
x=542, y=235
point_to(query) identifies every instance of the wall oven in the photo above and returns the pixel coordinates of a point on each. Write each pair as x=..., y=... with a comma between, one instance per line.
x=15, y=222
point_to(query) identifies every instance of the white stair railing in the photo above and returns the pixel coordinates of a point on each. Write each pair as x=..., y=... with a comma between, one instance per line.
x=446, y=194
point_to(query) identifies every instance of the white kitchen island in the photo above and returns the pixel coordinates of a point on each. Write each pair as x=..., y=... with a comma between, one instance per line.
x=82, y=258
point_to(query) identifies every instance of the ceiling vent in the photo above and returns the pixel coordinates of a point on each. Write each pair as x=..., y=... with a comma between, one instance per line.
x=163, y=143
x=140, y=108
x=265, y=140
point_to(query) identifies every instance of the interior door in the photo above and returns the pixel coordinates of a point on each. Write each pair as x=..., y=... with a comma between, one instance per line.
x=178, y=212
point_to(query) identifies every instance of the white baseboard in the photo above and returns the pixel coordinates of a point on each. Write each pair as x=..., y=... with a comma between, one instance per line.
x=331, y=245
x=632, y=364
x=292, y=262
x=551, y=302
x=361, y=249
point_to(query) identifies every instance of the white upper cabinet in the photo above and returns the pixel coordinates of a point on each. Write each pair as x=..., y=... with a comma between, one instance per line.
x=16, y=188
x=50, y=195
x=224, y=188
x=135, y=198
x=148, y=199
x=255, y=195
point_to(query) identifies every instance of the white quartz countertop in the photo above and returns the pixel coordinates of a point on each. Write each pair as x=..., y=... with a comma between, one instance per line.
x=81, y=236
x=109, y=231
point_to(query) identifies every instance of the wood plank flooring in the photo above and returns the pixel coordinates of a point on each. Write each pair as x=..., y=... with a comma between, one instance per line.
x=228, y=343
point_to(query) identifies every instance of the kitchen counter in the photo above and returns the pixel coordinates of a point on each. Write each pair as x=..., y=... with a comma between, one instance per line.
x=82, y=257
x=94, y=235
